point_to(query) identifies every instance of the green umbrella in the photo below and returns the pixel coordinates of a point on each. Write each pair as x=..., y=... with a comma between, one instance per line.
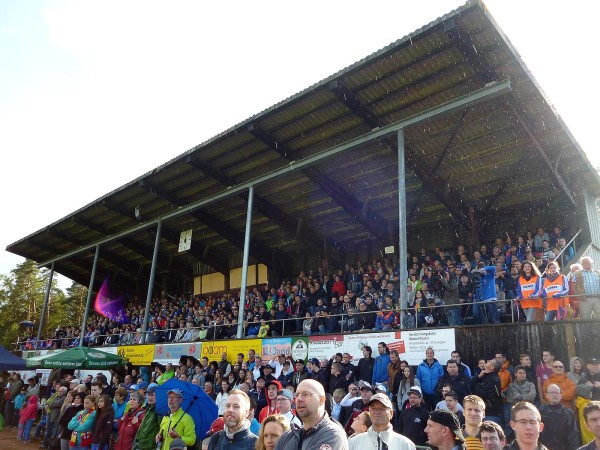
x=77, y=358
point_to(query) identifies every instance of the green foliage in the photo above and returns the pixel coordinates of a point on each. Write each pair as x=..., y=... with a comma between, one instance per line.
x=22, y=295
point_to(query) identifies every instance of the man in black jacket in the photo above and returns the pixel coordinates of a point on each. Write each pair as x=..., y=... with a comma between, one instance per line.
x=460, y=384
x=487, y=386
x=560, y=425
x=413, y=420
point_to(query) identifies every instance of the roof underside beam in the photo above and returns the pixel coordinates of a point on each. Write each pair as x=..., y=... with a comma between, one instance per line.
x=487, y=74
x=442, y=189
x=376, y=224
x=258, y=251
x=307, y=236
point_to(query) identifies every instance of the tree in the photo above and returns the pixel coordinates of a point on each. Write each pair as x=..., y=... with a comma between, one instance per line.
x=22, y=295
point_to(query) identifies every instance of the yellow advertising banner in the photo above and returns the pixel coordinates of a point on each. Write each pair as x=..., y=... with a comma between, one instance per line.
x=214, y=350
x=138, y=355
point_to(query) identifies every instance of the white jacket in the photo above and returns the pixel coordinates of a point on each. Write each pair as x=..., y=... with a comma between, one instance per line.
x=393, y=440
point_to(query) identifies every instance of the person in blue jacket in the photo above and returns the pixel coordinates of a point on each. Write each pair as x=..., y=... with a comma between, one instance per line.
x=485, y=293
x=428, y=373
x=380, y=373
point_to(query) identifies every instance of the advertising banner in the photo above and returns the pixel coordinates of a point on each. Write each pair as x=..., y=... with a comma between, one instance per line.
x=164, y=353
x=300, y=348
x=354, y=343
x=214, y=350
x=441, y=340
x=325, y=346
x=275, y=346
x=138, y=355
x=411, y=345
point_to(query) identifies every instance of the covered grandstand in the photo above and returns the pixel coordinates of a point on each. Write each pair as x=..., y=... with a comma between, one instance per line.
x=443, y=137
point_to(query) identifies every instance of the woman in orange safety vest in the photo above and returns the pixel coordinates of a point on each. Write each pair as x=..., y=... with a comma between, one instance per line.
x=554, y=288
x=529, y=289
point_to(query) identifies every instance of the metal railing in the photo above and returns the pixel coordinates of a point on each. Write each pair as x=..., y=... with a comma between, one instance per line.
x=216, y=331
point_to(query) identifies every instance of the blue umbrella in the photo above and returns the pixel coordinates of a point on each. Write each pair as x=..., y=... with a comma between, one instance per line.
x=195, y=402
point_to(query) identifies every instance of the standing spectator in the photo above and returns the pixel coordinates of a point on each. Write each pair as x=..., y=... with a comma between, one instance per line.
x=587, y=282
x=554, y=289
x=462, y=367
x=380, y=373
x=444, y=431
x=144, y=437
x=310, y=407
x=103, y=425
x=560, y=378
x=526, y=422
x=16, y=384
x=492, y=436
x=429, y=372
x=577, y=369
x=407, y=381
x=236, y=426
x=53, y=409
x=521, y=389
x=474, y=411
x=381, y=432
x=271, y=431
x=366, y=365
x=222, y=397
x=81, y=425
x=487, y=386
x=459, y=383
x=543, y=370
x=529, y=289
x=589, y=384
x=27, y=417
x=413, y=419
x=130, y=422
x=560, y=424
x=591, y=415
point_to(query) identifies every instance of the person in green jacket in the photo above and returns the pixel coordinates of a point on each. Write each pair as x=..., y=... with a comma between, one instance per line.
x=146, y=433
x=165, y=373
x=178, y=424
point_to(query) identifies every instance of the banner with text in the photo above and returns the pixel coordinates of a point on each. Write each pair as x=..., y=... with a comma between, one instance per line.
x=164, y=353
x=325, y=346
x=275, y=346
x=300, y=348
x=138, y=355
x=214, y=350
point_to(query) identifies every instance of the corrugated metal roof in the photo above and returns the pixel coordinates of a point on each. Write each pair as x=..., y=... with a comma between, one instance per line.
x=510, y=154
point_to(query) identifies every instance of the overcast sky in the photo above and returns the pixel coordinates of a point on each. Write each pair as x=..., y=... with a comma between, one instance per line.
x=95, y=93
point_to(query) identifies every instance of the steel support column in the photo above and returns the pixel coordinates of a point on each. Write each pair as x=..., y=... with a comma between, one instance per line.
x=242, y=307
x=46, y=299
x=151, y=281
x=402, y=261
x=89, y=297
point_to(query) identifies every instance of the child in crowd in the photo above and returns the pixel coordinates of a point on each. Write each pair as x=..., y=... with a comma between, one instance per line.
x=27, y=416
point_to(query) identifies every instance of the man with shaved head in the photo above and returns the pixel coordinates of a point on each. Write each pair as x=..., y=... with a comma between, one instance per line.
x=318, y=430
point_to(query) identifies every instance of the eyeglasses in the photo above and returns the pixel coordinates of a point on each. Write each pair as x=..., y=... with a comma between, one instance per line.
x=305, y=394
x=558, y=367
x=490, y=439
x=526, y=422
x=553, y=393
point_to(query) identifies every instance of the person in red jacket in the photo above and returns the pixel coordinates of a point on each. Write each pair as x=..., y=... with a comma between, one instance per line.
x=272, y=388
x=130, y=422
x=26, y=418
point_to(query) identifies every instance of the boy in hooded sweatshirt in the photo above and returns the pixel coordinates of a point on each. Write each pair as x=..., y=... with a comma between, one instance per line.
x=27, y=417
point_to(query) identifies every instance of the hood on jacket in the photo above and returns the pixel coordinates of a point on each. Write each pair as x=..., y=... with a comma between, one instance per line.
x=572, y=364
x=279, y=388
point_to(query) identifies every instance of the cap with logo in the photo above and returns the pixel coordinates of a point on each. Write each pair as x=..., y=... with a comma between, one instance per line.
x=381, y=398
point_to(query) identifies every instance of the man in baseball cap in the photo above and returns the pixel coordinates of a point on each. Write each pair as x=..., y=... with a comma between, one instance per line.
x=443, y=430
x=381, y=431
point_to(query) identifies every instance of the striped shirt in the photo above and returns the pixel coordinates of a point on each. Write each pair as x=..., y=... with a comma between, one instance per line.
x=591, y=282
x=473, y=443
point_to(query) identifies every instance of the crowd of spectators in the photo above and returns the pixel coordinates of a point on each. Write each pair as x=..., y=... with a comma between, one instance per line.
x=492, y=390
x=445, y=287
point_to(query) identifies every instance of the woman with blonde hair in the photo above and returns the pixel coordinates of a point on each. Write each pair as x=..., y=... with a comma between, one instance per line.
x=554, y=288
x=270, y=432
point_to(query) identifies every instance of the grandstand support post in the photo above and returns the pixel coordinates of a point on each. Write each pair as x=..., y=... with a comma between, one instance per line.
x=46, y=299
x=89, y=297
x=151, y=281
x=402, y=262
x=242, y=308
